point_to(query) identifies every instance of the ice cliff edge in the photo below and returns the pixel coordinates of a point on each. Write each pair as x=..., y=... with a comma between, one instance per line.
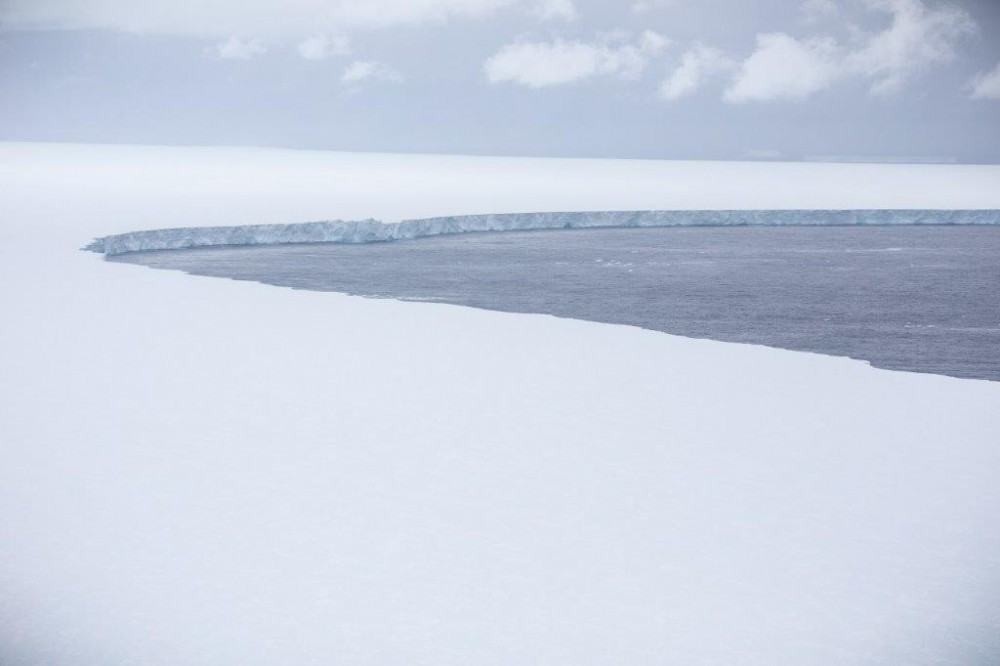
x=372, y=231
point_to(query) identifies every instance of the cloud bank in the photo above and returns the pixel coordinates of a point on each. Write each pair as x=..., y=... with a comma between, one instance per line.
x=781, y=67
x=265, y=19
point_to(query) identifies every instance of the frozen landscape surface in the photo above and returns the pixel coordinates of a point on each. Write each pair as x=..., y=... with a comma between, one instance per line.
x=203, y=471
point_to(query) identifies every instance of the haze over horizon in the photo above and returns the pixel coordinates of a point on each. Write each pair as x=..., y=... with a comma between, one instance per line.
x=858, y=80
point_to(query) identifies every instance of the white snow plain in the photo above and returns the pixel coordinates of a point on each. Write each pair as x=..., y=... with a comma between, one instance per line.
x=202, y=471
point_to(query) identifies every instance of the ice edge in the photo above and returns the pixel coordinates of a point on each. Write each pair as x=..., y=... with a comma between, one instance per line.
x=374, y=231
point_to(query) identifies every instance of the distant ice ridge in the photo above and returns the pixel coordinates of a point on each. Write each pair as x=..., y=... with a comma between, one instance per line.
x=373, y=231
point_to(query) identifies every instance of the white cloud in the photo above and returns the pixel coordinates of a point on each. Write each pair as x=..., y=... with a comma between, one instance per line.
x=918, y=37
x=321, y=47
x=645, y=6
x=987, y=84
x=783, y=67
x=814, y=11
x=545, y=64
x=555, y=9
x=369, y=70
x=235, y=48
x=542, y=64
x=697, y=64
x=652, y=43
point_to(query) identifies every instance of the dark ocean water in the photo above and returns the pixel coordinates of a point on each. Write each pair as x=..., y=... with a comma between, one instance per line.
x=924, y=299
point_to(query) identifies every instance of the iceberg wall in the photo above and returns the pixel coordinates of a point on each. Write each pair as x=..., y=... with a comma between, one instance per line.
x=372, y=231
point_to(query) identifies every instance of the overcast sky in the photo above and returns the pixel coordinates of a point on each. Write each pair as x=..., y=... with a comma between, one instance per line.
x=907, y=80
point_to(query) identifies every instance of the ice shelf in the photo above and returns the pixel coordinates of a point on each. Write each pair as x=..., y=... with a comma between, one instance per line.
x=373, y=231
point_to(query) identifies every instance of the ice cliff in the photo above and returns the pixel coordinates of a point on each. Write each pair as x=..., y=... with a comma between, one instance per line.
x=371, y=231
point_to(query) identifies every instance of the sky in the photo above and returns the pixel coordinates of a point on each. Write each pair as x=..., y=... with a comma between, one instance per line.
x=853, y=80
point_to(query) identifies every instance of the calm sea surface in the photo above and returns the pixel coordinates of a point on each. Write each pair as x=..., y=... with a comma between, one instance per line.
x=925, y=299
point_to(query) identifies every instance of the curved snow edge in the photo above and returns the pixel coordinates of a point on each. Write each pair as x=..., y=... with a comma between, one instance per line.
x=373, y=231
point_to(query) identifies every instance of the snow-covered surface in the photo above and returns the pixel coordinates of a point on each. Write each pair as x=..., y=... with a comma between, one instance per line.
x=373, y=231
x=202, y=471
